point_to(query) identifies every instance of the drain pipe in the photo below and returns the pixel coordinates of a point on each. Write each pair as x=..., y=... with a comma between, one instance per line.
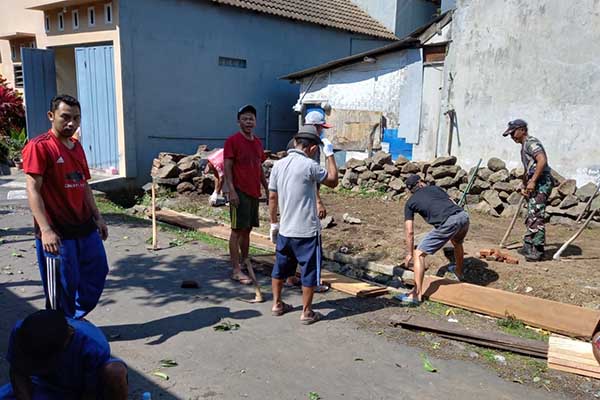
x=268, y=125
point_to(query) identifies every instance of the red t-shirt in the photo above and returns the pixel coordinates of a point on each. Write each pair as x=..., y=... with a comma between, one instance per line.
x=65, y=172
x=247, y=156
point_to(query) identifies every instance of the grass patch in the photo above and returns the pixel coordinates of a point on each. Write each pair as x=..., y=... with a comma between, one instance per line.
x=182, y=236
x=441, y=310
x=514, y=327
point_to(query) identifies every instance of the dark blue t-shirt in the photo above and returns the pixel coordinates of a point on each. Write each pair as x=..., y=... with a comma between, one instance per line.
x=431, y=203
x=77, y=370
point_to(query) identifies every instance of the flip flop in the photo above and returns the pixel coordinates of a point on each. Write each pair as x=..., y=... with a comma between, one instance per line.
x=317, y=316
x=322, y=289
x=285, y=308
x=407, y=300
x=240, y=279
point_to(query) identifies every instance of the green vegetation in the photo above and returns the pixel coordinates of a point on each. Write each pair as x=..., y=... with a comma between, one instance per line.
x=514, y=327
x=182, y=236
x=440, y=309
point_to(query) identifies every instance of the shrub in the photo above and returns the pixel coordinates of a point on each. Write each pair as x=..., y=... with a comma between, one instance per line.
x=12, y=112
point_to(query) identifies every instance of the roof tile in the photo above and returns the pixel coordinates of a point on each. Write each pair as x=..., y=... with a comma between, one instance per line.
x=339, y=14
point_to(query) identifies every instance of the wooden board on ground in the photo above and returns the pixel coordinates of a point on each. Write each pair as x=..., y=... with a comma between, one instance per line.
x=450, y=330
x=193, y=222
x=336, y=281
x=183, y=220
x=352, y=286
x=569, y=355
x=553, y=316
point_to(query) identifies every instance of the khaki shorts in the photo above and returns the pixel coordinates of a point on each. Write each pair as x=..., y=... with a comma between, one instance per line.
x=245, y=215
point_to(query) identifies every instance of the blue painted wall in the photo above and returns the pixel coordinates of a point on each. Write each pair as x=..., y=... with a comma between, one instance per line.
x=176, y=96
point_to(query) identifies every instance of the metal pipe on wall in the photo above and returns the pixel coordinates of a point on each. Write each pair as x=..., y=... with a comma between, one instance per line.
x=267, y=125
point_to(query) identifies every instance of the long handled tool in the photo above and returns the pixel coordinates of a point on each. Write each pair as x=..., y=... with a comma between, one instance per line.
x=258, y=297
x=512, y=223
x=556, y=255
x=463, y=198
x=588, y=204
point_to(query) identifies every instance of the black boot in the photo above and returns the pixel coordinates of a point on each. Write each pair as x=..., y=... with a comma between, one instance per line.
x=536, y=253
x=526, y=249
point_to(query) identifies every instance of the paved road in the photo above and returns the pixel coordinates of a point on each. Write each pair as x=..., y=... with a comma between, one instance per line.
x=149, y=318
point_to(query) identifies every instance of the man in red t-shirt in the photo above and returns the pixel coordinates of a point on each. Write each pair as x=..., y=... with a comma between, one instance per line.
x=244, y=175
x=68, y=226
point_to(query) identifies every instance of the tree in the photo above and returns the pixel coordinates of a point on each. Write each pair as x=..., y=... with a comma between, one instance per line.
x=12, y=112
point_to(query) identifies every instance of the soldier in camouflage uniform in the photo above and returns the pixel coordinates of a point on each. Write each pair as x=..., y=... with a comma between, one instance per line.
x=537, y=185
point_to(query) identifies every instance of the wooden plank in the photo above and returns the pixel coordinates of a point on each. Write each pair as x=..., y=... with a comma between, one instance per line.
x=351, y=286
x=550, y=315
x=183, y=220
x=337, y=282
x=488, y=339
x=582, y=362
x=563, y=368
x=574, y=356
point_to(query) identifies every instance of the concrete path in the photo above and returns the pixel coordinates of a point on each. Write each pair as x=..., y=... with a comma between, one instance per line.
x=149, y=317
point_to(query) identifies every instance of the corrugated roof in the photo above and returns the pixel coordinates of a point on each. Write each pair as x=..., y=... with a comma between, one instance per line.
x=339, y=14
x=413, y=40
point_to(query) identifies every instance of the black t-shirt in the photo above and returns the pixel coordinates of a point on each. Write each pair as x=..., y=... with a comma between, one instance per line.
x=431, y=203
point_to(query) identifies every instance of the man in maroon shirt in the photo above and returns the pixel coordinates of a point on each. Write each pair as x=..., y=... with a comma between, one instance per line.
x=243, y=155
x=68, y=226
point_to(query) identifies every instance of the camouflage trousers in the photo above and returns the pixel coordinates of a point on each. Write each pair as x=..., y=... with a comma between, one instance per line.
x=536, y=208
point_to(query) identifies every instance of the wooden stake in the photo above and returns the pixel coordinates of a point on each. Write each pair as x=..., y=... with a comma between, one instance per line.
x=556, y=255
x=512, y=223
x=587, y=206
x=154, y=229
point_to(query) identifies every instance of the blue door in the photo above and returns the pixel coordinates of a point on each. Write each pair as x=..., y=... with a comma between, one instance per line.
x=39, y=81
x=96, y=92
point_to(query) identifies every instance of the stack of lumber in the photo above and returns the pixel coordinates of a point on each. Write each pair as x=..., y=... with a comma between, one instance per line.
x=494, y=340
x=566, y=319
x=497, y=255
x=569, y=355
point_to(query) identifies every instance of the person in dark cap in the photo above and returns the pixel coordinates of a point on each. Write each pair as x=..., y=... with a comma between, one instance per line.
x=53, y=357
x=537, y=186
x=297, y=230
x=450, y=222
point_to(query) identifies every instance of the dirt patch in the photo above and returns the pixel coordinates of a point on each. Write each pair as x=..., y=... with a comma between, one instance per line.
x=380, y=237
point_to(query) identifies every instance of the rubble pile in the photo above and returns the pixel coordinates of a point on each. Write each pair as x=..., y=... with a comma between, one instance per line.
x=493, y=192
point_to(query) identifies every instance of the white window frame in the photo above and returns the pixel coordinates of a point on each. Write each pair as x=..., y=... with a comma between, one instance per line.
x=75, y=19
x=107, y=7
x=47, y=23
x=61, y=17
x=91, y=10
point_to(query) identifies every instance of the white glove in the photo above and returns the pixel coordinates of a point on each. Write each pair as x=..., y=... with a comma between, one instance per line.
x=212, y=200
x=327, y=147
x=273, y=232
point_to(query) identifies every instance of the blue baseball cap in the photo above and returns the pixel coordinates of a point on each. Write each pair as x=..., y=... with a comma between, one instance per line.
x=514, y=125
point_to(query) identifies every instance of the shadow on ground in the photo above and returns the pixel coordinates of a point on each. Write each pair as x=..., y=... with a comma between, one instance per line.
x=14, y=308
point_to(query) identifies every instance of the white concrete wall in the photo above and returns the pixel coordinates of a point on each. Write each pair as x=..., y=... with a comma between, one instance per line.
x=363, y=86
x=533, y=59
